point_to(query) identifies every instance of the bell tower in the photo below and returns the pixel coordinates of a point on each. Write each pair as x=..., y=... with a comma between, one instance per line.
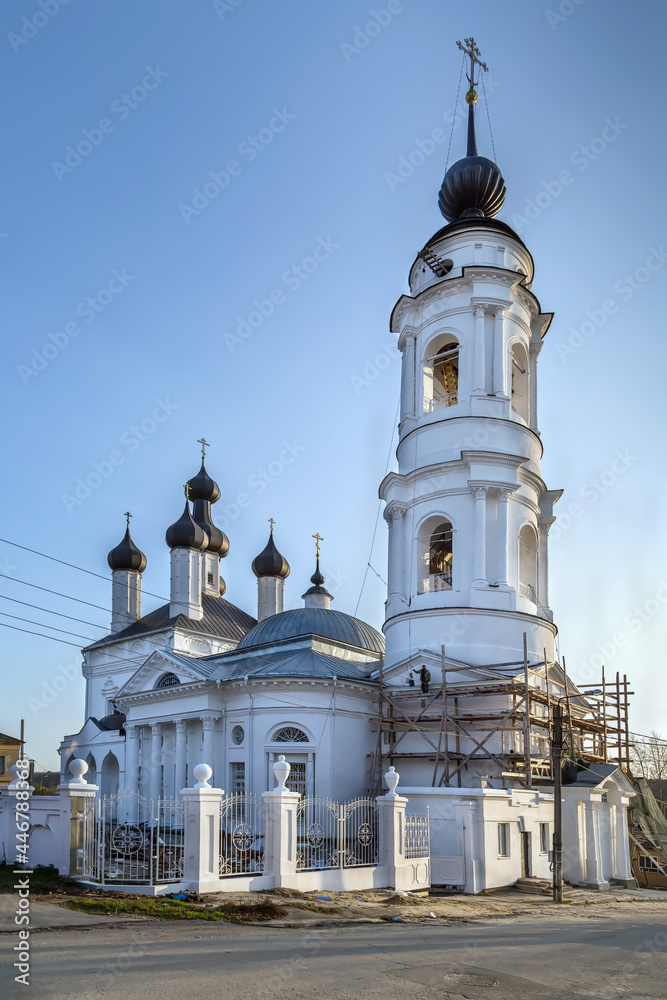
x=468, y=511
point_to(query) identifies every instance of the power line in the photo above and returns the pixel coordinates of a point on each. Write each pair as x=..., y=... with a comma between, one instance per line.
x=82, y=569
x=57, y=594
x=377, y=517
x=29, y=621
x=31, y=632
x=48, y=611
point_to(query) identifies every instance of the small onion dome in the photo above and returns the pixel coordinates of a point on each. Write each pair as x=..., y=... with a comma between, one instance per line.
x=202, y=487
x=317, y=580
x=270, y=562
x=114, y=721
x=127, y=555
x=185, y=533
x=217, y=541
x=473, y=188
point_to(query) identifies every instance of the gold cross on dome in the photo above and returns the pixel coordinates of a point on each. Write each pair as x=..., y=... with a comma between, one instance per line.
x=470, y=49
x=186, y=487
x=271, y=522
x=127, y=517
x=318, y=538
x=204, y=445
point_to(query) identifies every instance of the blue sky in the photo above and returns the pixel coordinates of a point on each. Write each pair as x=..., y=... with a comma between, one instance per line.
x=126, y=296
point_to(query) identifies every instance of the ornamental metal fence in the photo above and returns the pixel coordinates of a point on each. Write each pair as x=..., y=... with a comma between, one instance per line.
x=330, y=835
x=127, y=839
x=416, y=837
x=242, y=834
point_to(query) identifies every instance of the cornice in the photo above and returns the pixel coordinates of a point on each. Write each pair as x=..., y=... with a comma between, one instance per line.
x=519, y=616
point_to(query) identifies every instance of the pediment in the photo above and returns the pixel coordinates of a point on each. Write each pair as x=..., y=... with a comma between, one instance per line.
x=158, y=663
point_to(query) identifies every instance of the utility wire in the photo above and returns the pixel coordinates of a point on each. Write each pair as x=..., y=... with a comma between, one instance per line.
x=377, y=517
x=456, y=108
x=29, y=621
x=48, y=611
x=46, y=590
x=90, y=572
x=31, y=632
x=488, y=118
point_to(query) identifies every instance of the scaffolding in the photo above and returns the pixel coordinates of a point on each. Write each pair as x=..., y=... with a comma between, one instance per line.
x=504, y=717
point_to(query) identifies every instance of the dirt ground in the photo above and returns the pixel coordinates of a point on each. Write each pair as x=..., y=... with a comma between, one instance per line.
x=379, y=905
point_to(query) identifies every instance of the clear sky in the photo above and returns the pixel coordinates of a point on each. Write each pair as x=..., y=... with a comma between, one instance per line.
x=127, y=295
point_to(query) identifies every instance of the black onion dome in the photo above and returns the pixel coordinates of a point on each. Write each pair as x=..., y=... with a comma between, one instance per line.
x=473, y=188
x=218, y=542
x=126, y=555
x=186, y=533
x=202, y=487
x=270, y=562
x=317, y=580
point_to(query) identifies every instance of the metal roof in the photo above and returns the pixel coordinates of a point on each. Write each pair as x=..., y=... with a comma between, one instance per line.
x=288, y=662
x=220, y=618
x=314, y=621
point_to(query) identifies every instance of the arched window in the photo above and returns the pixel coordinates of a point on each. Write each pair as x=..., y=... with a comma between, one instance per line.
x=441, y=375
x=167, y=681
x=520, y=381
x=436, y=556
x=289, y=734
x=528, y=563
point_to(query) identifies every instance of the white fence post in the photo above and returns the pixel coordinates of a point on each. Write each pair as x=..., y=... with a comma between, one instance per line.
x=391, y=828
x=72, y=796
x=201, y=858
x=281, y=827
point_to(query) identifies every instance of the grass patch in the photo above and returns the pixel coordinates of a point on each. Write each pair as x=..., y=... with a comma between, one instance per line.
x=173, y=909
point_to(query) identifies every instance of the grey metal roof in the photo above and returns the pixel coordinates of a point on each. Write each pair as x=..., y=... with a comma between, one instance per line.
x=301, y=661
x=314, y=621
x=220, y=618
x=593, y=775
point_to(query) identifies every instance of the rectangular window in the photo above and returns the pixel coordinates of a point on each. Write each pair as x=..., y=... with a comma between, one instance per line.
x=544, y=838
x=296, y=781
x=504, y=840
x=2, y=763
x=237, y=776
x=647, y=864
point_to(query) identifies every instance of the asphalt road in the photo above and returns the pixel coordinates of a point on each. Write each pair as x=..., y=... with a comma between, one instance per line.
x=518, y=959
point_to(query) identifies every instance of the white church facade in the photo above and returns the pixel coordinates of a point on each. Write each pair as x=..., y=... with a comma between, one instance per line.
x=468, y=514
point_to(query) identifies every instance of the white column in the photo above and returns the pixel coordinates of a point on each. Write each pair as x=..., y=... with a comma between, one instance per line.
x=499, y=352
x=503, y=520
x=479, y=351
x=156, y=761
x=623, y=871
x=310, y=774
x=71, y=798
x=208, y=751
x=409, y=372
x=594, y=879
x=532, y=385
x=479, y=493
x=543, y=562
x=181, y=737
x=396, y=569
x=131, y=758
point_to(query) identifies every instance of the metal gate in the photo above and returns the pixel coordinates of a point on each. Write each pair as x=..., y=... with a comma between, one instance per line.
x=330, y=835
x=132, y=840
x=242, y=823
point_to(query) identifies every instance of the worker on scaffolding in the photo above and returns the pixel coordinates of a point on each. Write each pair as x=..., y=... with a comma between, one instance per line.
x=424, y=677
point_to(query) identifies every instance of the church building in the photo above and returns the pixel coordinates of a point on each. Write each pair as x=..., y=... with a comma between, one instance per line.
x=459, y=689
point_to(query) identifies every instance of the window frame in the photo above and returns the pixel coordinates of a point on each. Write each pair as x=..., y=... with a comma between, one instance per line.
x=504, y=840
